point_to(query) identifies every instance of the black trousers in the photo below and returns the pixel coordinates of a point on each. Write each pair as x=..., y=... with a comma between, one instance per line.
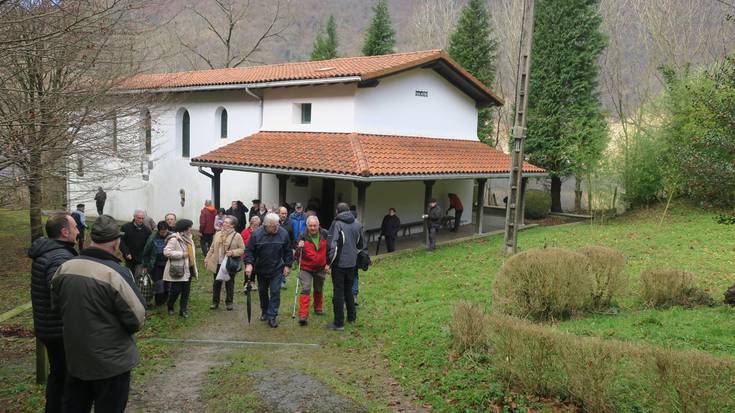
x=390, y=243
x=108, y=395
x=100, y=207
x=179, y=287
x=217, y=288
x=56, y=375
x=206, y=241
x=457, y=218
x=342, y=280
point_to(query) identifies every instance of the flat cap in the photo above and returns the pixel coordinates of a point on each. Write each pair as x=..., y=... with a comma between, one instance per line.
x=105, y=229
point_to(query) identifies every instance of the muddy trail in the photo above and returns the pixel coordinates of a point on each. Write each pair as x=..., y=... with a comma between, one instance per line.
x=227, y=364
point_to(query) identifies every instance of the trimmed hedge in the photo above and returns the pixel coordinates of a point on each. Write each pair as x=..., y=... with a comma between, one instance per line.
x=538, y=204
x=666, y=288
x=607, y=267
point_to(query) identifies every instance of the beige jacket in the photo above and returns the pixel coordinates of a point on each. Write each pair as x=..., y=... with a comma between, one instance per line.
x=219, y=248
x=175, y=250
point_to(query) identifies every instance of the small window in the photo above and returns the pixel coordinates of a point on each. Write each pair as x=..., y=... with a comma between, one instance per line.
x=185, y=136
x=223, y=124
x=306, y=113
x=147, y=131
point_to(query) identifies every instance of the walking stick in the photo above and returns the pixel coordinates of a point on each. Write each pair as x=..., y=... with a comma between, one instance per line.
x=296, y=293
x=377, y=247
x=248, y=301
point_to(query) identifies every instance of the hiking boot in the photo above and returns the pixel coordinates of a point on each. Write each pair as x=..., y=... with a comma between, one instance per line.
x=170, y=311
x=183, y=314
x=214, y=306
x=302, y=322
x=273, y=323
x=263, y=317
x=228, y=307
x=333, y=327
x=319, y=312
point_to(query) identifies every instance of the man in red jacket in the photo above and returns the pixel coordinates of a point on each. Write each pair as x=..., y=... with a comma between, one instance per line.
x=312, y=253
x=456, y=204
x=206, y=225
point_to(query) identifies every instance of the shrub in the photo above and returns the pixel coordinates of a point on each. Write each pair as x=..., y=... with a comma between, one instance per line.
x=543, y=284
x=607, y=267
x=666, y=288
x=468, y=328
x=538, y=204
x=608, y=375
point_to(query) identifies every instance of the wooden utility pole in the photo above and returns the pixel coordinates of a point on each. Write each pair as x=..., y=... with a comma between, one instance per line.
x=514, y=206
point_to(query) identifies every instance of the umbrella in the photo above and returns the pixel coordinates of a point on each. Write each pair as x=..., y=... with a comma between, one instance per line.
x=248, y=288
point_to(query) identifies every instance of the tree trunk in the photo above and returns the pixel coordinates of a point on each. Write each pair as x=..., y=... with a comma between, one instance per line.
x=35, y=196
x=577, y=194
x=556, y=194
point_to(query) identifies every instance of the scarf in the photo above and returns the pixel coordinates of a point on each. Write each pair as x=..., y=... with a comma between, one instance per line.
x=189, y=248
x=211, y=208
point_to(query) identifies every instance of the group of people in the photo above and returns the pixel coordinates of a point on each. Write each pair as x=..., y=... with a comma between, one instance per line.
x=87, y=306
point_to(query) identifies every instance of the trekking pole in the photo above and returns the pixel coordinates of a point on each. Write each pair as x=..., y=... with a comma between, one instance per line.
x=296, y=292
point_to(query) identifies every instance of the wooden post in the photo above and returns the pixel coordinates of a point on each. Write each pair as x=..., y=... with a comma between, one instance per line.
x=361, y=198
x=41, y=363
x=428, y=186
x=216, y=180
x=480, y=213
x=282, y=184
x=524, y=184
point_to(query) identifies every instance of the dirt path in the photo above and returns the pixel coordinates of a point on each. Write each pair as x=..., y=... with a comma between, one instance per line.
x=283, y=378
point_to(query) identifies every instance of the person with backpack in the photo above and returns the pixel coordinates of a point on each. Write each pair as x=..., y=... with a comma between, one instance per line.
x=81, y=220
x=227, y=243
x=346, y=243
x=312, y=254
x=154, y=261
x=298, y=220
x=181, y=266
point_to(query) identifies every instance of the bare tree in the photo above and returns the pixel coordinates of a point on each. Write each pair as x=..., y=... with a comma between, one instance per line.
x=231, y=40
x=60, y=120
x=431, y=24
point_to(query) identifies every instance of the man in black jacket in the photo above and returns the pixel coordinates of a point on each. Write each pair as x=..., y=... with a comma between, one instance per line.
x=346, y=240
x=239, y=211
x=389, y=229
x=48, y=254
x=434, y=221
x=270, y=256
x=132, y=243
x=101, y=307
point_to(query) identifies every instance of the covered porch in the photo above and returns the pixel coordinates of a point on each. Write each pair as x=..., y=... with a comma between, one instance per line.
x=372, y=172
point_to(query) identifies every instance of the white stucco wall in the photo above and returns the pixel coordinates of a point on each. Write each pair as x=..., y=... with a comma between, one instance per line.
x=332, y=108
x=392, y=107
x=171, y=172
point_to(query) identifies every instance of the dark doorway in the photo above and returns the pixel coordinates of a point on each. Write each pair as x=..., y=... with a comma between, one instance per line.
x=327, y=207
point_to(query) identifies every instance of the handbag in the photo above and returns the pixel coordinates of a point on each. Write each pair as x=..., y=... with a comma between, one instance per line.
x=177, y=272
x=146, y=286
x=234, y=264
x=363, y=260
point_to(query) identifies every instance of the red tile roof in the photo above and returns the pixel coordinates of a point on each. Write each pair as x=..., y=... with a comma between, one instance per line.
x=364, y=67
x=363, y=155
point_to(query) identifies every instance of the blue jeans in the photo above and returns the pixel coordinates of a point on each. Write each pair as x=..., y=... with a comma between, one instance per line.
x=269, y=292
x=356, y=284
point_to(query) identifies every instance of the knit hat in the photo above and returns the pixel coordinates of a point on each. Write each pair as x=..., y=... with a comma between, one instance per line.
x=105, y=229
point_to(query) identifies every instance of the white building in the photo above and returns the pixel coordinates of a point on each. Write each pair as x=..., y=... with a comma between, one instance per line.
x=378, y=132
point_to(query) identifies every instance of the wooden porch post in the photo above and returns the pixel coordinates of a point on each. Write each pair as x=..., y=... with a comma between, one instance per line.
x=524, y=184
x=282, y=184
x=480, y=213
x=361, y=196
x=428, y=186
x=216, y=180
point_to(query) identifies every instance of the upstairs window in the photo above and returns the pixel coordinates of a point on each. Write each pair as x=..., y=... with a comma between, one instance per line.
x=147, y=131
x=305, y=113
x=185, y=134
x=223, y=124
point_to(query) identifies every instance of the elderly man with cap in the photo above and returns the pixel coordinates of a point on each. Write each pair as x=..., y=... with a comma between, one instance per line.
x=101, y=309
x=298, y=220
x=132, y=243
x=270, y=256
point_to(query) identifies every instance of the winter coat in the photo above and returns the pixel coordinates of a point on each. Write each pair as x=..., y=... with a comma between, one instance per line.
x=153, y=251
x=298, y=221
x=175, y=251
x=288, y=226
x=100, y=197
x=246, y=234
x=311, y=258
x=133, y=242
x=101, y=308
x=269, y=253
x=81, y=221
x=223, y=242
x=206, y=221
x=346, y=239
x=390, y=226
x=455, y=203
x=240, y=214
x=435, y=216
x=47, y=255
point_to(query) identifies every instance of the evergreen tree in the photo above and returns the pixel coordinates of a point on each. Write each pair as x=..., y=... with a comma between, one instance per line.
x=325, y=45
x=474, y=46
x=567, y=131
x=380, y=38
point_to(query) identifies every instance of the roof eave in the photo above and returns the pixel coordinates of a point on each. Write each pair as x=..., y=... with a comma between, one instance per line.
x=240, y=86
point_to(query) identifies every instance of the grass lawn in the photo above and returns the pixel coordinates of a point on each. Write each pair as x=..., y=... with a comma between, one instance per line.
x=407, y=303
